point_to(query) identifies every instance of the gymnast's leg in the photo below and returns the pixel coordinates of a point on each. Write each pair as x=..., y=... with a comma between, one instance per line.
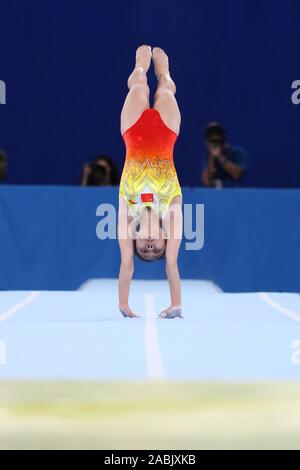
x=137, y=100
x=164, y=99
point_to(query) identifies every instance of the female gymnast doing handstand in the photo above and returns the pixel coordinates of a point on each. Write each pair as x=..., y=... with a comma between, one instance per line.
x=150, y=199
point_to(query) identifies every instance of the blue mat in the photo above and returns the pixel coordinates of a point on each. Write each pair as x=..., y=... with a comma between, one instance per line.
x=81, y=335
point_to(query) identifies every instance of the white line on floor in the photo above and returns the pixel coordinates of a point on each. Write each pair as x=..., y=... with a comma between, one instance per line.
x=155, y=367
x=288, y=313
x=19, y=306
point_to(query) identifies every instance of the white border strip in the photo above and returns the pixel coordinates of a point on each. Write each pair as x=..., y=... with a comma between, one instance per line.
x=155, y=367
x=288, y=313
x=19, y=306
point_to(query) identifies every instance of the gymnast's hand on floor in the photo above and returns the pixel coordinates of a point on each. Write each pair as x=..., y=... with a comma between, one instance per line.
x=127, y=312
x=172, y=312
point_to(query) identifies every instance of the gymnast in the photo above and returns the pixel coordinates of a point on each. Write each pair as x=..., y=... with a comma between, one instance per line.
x=150, y=198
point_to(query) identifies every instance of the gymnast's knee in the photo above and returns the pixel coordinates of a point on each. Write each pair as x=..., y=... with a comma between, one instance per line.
x=163, y=92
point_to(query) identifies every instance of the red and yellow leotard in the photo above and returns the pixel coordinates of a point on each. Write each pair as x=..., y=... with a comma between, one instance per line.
x=149, y=176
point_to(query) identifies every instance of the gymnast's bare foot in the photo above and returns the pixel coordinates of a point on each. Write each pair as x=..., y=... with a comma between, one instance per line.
x=142, y=63
x=143, y=57
x=161, y=62
x=161, y=67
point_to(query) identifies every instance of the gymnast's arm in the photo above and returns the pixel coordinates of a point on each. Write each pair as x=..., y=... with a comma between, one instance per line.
x=174, y=229
x=127, y=266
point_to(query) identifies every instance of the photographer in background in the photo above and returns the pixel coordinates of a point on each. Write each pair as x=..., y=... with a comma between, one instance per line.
x=224, y=165
x=3, y=165
x=100, y=172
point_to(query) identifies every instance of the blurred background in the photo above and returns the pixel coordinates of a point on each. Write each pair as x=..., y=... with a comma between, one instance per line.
x=66, y=68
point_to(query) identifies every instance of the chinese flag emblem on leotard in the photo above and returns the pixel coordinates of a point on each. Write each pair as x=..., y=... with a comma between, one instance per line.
x=147, y=197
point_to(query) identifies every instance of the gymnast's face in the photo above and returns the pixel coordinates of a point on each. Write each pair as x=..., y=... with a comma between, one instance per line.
x=150, y=250
x=150, y=241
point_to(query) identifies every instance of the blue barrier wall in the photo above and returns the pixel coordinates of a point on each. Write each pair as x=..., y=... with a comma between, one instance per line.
x=48, y=239
x=65, y=64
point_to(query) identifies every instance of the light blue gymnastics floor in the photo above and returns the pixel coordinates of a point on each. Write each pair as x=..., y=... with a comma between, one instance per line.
x=82, y=335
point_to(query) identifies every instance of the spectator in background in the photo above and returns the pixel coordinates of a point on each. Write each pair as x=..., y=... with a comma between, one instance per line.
x=100, y=172
x=224, y=165
x=3, y=165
